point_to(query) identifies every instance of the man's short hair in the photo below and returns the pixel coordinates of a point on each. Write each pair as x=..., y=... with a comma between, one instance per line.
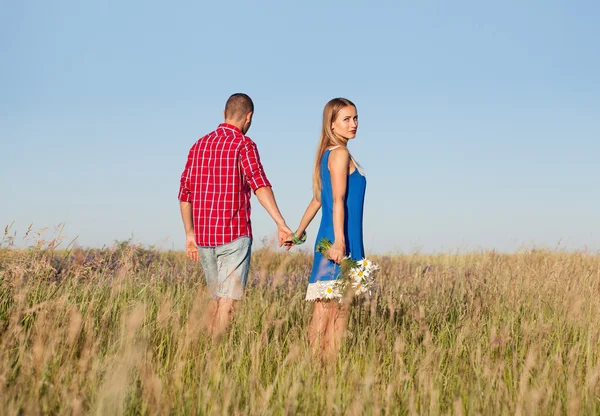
x=238, y=105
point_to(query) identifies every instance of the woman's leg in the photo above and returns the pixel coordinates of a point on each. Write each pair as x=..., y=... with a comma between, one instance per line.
x=342, y=314
x=337, y=323
x=317, y=328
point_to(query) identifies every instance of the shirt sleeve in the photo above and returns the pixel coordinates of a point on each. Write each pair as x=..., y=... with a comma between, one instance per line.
x=251, y=167
x=185, y=193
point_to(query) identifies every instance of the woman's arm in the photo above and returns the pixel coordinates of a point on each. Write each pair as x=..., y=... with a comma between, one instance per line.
x=339, y=161
x=313, y=207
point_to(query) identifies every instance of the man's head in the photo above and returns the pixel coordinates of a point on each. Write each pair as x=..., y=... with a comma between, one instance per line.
x=238, y=111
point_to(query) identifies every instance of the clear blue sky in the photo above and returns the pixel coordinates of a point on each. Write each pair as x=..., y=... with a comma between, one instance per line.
x=479, y=121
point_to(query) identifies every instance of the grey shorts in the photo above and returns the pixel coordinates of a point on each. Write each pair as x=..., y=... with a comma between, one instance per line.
x=226, y=268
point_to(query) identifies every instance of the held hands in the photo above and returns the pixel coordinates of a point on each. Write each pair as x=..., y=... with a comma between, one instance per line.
x=293, y=239
x=288, y=241
x=283, y=232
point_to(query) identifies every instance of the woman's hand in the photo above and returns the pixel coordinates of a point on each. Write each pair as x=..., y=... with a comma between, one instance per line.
x=288, y=241
x=293, y=239
x=337, y=252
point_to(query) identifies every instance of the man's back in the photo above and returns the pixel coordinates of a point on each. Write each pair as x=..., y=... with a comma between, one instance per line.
x=222, y=168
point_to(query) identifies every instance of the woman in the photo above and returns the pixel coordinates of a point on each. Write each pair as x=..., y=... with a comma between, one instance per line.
x=339, y=188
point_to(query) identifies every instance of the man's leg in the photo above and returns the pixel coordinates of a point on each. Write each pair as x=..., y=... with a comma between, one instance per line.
x=223, y=316
x=208, y=259
x=208, y=318
x=233, y=262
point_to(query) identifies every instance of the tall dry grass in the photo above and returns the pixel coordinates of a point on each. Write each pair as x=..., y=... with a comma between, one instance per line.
x=118, y=332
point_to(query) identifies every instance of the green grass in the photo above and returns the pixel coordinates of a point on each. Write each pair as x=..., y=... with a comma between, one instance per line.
x=479, y=333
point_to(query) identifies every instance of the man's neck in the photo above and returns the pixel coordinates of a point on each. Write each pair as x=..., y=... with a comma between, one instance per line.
x=238, y=124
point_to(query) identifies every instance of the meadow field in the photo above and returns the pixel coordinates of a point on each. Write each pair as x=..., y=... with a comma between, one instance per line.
x=117, y=331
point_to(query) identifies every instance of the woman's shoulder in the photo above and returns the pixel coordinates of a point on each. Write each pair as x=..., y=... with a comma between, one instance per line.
x=338, y=154
x=338, y=151
x=338, y=159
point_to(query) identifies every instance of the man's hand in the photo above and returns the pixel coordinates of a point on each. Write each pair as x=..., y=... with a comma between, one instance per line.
x=285, y=235
x=267, y=200
x=191, y=249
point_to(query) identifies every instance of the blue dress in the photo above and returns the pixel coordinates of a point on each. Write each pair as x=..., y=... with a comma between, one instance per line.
x=325, y=271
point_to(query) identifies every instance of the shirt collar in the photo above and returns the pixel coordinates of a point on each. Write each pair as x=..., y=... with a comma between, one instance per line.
x=230, y=126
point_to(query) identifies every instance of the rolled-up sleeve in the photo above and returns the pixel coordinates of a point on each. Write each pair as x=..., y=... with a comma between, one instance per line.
x=185, y=193
x=251, y=167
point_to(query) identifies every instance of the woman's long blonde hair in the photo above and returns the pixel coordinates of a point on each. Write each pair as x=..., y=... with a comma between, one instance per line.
x=328, y=138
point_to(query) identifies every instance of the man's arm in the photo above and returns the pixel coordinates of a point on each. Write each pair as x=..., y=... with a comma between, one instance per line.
x=267, y=200
x=256, y=178
x=185, y=206
x=191, y=249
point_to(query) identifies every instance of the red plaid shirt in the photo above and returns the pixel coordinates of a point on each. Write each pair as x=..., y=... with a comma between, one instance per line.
x=221, y=170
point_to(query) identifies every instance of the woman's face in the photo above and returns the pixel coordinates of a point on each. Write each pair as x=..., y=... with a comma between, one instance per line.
x=346, y=123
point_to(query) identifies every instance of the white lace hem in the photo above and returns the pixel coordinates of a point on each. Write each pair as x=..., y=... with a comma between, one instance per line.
x=317, y=290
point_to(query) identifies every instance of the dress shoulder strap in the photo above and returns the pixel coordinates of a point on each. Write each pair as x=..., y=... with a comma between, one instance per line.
x=357, y=165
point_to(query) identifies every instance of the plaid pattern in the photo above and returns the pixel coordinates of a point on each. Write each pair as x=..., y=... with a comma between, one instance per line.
x=221, y=170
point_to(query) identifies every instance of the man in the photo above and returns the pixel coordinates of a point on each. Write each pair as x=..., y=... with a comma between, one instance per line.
x=222, y=169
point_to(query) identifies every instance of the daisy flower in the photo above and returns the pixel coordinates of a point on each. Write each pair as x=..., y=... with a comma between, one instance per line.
x=365, y=264
x=331, y=293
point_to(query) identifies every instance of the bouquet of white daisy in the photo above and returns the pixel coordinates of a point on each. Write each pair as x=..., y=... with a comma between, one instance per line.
x=355, y=278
